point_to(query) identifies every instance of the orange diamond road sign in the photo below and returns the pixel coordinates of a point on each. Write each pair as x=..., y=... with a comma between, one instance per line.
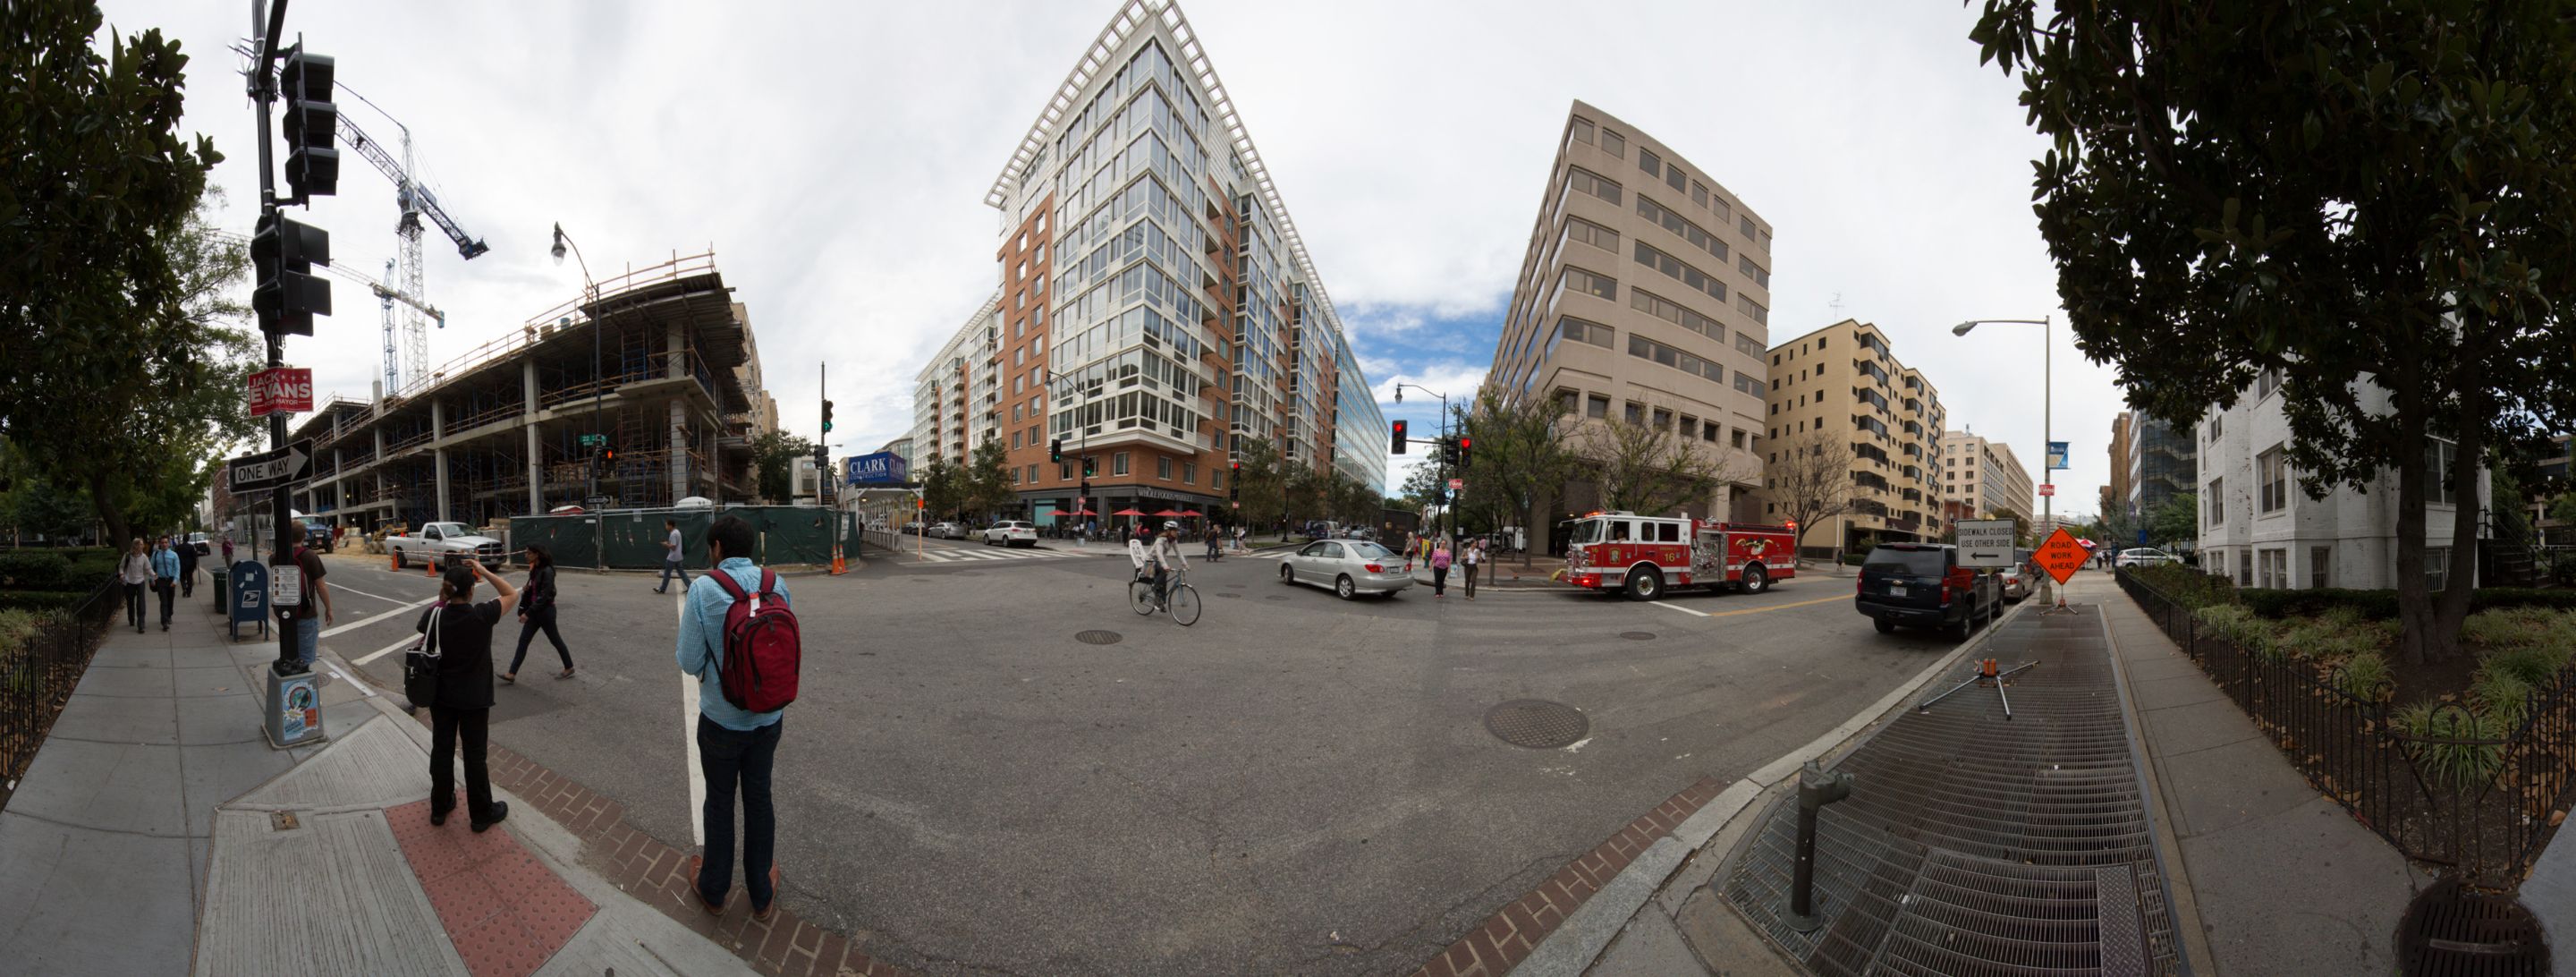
x=2061, y=555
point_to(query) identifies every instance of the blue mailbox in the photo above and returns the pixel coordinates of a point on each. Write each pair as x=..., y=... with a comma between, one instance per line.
x=249, y=597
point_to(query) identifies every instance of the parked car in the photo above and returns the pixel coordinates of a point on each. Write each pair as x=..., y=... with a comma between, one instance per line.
x=1923, y=585
x=2016, y=583
x=317, y=536
x=439, y=540
x=1349, y=567
x=2143, y=556
x=1011, y=532
x=198, y=540
x=947, y=530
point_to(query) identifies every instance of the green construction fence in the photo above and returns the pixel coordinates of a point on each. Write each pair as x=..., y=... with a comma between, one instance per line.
x=631, y=539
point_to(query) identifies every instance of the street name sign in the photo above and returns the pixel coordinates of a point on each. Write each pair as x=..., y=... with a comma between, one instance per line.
x=270, y=469
x=1985, y=542
x=281, y=390
x=2061, y=555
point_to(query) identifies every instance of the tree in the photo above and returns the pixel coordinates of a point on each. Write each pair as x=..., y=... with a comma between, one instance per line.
x=2021, y=525
x=2176, y=520
x=1261, y=484
x=96, y=192
x=987, y=480
x=1646, y=469
x=943, y=489
x=773, y=462
x=2563, y=511
x=1810, y=478
x=1520, y=457
x=2327, y=192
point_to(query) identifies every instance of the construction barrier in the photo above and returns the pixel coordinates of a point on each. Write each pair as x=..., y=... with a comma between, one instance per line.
x=631, y=539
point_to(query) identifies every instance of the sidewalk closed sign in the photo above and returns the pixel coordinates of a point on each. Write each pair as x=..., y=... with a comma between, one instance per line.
x=1985, y=542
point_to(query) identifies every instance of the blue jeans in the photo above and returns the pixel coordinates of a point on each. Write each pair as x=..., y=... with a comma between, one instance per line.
x=308, y=639
x=672, y=568
x=725, y=757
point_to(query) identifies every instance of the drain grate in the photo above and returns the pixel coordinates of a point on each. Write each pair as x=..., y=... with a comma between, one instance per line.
x=1099, y=637
x=1536, y=723
x=2452, y=929
x=1638, y=635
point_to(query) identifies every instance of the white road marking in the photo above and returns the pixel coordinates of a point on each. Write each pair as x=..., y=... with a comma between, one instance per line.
x=689, y=732
x=354, y=625
x=1680, y=608
x=361, y=593
x=362, y=686
x=382, y=652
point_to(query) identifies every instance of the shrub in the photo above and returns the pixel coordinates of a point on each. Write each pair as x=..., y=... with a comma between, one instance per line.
x=41, y=600
x=2456, y=765
x=2375, y=605
x=17, y=628
x=2326, y=640
x=2366, y=677
x=2485, y=598
x=34, y=570
x=2502, y=694
x=2189, y=587
x=2238, y=626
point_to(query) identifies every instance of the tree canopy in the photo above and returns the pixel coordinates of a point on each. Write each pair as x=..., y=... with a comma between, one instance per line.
x=2320, y=192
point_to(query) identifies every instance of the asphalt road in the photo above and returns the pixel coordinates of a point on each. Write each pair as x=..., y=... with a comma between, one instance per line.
x=1296, y=784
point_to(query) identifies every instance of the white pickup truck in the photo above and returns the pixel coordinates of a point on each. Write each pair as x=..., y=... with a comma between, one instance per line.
x=436, y=540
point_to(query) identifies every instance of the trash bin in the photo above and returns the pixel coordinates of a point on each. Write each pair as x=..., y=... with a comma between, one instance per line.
x=220, y=574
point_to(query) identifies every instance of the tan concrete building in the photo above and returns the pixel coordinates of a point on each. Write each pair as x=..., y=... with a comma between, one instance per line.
x=1644, y=297
x=1986, y=476
x=1843, y=380
x=2115, y=495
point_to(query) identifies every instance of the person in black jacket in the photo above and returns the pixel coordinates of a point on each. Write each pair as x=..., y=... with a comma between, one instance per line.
x=464, y=703
x=536, y=611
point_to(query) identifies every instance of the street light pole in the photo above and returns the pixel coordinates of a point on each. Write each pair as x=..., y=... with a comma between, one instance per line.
x=2047, y=407
x=598, y=389
x=1448, y=504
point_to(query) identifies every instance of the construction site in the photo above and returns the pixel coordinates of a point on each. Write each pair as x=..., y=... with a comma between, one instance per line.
x=658, y=360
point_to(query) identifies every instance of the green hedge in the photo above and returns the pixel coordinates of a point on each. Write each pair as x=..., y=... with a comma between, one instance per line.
x=2188, y=586
x=2381, y=605
x=34, y=569
x=40, y=600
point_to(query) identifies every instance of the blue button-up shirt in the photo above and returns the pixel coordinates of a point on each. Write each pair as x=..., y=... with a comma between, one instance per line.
x=702, y=642
x=165, y=563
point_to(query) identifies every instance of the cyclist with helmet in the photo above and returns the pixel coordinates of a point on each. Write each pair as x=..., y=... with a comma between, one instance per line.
x=1164, y=556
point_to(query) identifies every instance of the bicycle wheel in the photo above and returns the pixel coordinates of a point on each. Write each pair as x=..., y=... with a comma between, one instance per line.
x=1140, y=595
x=1185, y=605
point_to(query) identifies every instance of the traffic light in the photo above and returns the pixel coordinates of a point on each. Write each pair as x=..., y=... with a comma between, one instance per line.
x=1055, y=450
x=608, y=455
x=827, y=420
x=1090, y=467
x=1398, y=439
x=1464, y=456
x=312, y=166
x=1234, y=482
x=285, y=292
x=1449, y=452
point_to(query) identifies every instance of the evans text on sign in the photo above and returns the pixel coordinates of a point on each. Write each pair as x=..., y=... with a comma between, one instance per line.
x=283, y=389
x=1985, y=542
x=270, y=469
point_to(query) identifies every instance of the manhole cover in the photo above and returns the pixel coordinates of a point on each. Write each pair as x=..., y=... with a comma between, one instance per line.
x=1638, y=635
x=1536, y=723
x=1098, y=637
x=2452, y=930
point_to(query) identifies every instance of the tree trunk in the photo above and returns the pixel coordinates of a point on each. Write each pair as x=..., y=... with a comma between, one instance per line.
x=2414, y=605
x=119, y=534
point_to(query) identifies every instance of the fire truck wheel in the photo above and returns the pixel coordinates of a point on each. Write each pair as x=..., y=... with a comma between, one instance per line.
x=1645, y=583
x=1755, y=580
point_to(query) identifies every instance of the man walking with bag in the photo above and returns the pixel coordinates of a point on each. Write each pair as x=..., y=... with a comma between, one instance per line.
x=739, y=638
x=672, y=550
x=165, y=577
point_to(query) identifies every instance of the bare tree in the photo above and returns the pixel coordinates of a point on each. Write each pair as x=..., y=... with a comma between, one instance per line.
x=1810, y=478
x=1649, y=469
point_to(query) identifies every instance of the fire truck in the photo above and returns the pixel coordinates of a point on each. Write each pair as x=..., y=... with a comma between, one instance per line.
x=1642, y=556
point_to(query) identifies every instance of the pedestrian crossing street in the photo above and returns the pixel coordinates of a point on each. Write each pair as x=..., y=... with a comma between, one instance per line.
x=968, y=554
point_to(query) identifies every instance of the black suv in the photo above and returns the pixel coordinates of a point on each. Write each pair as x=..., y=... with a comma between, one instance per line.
x=1923, y=585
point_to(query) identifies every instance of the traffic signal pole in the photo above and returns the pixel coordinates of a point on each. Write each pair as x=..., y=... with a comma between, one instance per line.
x=263, y=91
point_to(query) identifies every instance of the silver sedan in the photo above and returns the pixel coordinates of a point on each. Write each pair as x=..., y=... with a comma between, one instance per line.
x=1349, y=566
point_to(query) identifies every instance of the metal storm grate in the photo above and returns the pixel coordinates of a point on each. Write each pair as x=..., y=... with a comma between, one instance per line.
x=1098, y=637
x=2454, y=931
x=1638, y=635
x=1536, y=723
x=1976, y=844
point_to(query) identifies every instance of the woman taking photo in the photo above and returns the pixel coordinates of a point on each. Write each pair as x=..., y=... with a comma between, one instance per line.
x=537, y=611
x=463, y=704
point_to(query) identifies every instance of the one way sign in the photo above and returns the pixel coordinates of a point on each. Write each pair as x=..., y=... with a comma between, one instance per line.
x=270, y=469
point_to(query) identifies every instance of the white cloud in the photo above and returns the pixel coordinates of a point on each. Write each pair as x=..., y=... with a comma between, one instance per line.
x=836, y=157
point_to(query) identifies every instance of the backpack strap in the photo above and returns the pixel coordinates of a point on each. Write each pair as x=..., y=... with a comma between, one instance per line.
x=768, y=584
x=732, y=589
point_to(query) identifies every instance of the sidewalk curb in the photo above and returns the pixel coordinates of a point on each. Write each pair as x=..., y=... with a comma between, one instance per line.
x=2182, y=903
x=1563, y=926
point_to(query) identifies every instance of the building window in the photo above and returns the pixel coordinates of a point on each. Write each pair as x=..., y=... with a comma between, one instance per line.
x=1746, y=225
x=2439, y=457
x=2437, y=567
x=1614, y=143
x=1636, y=413
x=2217, y=423
x=1753, y=308
x=1673, y=177
x=1663, y=419
x=1596, y=406
x=1578, y=229
x=1647, y=349
x=1189, y=473
x=2271, y=473
x=1216, y=478
x=1015, y=440
x=1761, y=276
x=1690, y=426
x=1592, y=284
x=1681, y=271
x=1163, y=469
x=1745, y=383
x=1649, y=162
x=1118, y=463
x=1566, y=401
x=2274, y=568
x=1593, y=183
x=1681, y=227
x=1033, y=473
x=1582, y=331
x=1736, y=437
x=2319, y=558
x=1063, y=469
x=2266, y=382
x=2213, y=504
x=1583, y=130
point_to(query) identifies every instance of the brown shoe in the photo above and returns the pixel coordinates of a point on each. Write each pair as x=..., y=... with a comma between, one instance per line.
x=763, y=913
x=697, y=865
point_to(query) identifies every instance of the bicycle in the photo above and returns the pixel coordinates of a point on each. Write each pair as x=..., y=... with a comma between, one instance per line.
x=1179, y=598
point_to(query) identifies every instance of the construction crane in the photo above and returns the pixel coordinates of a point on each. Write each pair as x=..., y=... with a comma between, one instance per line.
x=386, y=298
x=405, y=273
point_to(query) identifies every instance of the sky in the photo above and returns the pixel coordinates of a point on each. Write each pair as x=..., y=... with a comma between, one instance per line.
x=835, y=158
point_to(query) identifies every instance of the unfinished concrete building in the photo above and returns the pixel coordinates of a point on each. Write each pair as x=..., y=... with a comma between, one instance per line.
x=658, y=364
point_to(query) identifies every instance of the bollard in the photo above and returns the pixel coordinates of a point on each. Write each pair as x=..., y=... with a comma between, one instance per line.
x=1816, y=788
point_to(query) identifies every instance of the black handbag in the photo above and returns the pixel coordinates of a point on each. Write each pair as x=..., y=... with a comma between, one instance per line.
x=420, y=664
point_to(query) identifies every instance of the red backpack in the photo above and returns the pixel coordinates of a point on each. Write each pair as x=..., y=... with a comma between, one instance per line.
x=762, y=649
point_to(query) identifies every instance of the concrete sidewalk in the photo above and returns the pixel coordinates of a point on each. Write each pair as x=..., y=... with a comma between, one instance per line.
x=157, y=832
x=2267, y=877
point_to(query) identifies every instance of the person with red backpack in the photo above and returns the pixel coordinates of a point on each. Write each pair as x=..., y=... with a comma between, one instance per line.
x=739, y=638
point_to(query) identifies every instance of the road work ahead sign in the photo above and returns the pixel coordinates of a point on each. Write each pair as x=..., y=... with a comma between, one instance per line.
x=2061, y=555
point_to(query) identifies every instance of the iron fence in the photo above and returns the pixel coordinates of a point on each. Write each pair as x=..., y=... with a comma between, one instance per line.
x=35, y=680
x=2488, y=828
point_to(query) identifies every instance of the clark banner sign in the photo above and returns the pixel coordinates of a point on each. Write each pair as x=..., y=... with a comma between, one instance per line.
x=881, y=468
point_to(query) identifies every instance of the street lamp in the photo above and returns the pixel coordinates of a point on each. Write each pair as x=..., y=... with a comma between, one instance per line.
x=1448, y=506
x=590, y=296
x=2047, y=392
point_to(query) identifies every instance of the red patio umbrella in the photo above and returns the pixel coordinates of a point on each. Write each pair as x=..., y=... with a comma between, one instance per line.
x=1173, y=512
x=1192, y=512
x=1126, y=512
x=1075, y=512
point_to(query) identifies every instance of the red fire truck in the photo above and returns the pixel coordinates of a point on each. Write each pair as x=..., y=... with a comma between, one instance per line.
x=1644, y=555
